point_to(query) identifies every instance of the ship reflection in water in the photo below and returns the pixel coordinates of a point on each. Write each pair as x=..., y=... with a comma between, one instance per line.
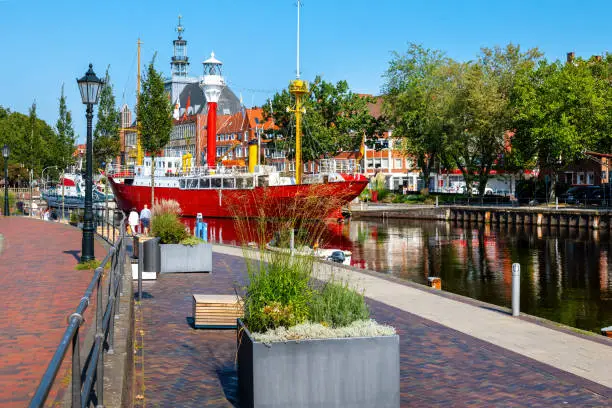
x=565, y=274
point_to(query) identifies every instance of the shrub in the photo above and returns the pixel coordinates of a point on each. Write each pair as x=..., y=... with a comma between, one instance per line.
x=191, y=240
x=278, y=292
x=337, y=305
x=74, y=218
x=168, y=228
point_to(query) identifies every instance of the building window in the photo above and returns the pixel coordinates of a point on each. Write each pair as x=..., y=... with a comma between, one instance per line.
x=398, y=163
x=385, y=163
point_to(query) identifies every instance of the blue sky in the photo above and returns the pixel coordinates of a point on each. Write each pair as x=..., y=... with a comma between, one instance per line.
x=48, y=43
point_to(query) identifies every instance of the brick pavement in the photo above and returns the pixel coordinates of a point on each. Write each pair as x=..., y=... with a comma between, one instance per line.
x=439, y=366
x=39, y=288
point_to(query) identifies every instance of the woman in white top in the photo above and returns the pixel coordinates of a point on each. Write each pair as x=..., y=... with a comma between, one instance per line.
x=133, y=220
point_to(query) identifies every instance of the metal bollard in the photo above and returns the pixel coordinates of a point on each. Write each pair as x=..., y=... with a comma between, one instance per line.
x=436, y=201
x=556, y=203
x=292, y=241
x=140, y=268
x=516, y=289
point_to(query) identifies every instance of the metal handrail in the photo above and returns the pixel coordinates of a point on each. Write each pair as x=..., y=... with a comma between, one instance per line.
x=92, y=374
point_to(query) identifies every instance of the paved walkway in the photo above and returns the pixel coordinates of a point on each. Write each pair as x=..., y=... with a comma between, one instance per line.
x=39, y=289
x=452, y=353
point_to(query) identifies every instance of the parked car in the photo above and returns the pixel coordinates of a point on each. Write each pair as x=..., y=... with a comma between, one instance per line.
x=585, y=195
x=337, y=256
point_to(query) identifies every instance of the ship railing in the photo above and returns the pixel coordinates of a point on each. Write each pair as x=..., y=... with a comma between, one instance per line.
x=87, y=374
x=350, y=166
x=118, y=171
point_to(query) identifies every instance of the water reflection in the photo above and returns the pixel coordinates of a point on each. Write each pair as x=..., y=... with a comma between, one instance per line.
x=565, y=273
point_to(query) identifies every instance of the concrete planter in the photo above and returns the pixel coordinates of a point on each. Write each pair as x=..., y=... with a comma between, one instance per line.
x=185, y=258
x=343, y=372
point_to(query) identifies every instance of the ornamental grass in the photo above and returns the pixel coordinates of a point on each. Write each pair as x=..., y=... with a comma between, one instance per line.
x=281, y=290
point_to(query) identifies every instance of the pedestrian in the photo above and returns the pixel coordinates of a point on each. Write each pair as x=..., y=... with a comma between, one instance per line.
x=133, y=221
x=145, y=219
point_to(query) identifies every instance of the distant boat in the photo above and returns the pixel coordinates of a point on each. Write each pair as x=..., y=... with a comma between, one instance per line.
x=70, y=193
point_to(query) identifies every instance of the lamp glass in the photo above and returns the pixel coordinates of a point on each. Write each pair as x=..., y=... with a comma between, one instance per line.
x=5, y=151
x=90, y=86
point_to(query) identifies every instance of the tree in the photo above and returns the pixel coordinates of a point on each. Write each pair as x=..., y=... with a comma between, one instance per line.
x=562, y=110
x=416, y=100
x=335, y=120
x=106, y=143
x=154, y=113
x=65, y=134
x=481, y=111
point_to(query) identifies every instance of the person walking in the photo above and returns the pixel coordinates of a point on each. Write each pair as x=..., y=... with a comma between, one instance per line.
x=145, y=219
x=133, y=221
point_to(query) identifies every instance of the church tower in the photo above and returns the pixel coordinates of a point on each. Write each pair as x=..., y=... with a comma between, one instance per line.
x=180, y=60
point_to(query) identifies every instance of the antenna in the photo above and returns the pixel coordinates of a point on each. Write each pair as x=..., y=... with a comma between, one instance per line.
x=299, y=4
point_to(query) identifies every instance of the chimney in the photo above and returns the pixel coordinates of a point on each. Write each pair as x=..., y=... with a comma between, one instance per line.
x=570, y=57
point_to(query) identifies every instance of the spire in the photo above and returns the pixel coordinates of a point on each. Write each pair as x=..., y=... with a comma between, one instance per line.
x=180, y=60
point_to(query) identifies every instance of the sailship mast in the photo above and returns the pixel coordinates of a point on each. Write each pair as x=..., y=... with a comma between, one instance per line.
x=298, y=88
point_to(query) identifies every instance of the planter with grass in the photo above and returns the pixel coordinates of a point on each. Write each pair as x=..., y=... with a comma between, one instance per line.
x=284, y=359
x=179, y=251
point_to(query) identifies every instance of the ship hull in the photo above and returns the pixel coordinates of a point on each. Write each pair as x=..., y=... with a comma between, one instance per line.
x=271, y=201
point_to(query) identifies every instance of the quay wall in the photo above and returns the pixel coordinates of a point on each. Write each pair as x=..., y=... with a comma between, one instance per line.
x=538, y=216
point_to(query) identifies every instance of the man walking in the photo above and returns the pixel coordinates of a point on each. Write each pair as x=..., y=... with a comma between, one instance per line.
x=145, y=219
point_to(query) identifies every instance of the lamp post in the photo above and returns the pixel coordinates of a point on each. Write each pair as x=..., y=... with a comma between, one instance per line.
x=5, y=153
x=90, y=86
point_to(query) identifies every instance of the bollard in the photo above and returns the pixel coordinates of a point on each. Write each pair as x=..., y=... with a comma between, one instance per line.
x=140, y=268
x=292, y=240
x=516, y=289
x=436, y=201
x=556, y=203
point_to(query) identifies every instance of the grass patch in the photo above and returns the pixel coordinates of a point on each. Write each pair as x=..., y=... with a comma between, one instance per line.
x=90, y=265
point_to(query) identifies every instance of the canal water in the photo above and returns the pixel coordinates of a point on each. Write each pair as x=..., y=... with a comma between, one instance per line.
x=566, y=274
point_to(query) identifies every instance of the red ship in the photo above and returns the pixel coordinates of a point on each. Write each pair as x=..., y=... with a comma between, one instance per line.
x=232, y=193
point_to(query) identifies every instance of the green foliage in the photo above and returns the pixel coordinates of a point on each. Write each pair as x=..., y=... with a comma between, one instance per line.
x=11, y=198
x=191, y=240
x=89, y=265
x=74, y=217
x=154, y=113
x=278, y=292
x=337, y=305
x=336, y=119
x=106, y=142
x=33, y=143
x=169, y=228
x=65, y=135
x=416, y=102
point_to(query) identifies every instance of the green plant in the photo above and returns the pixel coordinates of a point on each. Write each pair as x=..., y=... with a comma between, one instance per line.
x=168, y=228
x=338, y=305
x=74, y=218
x=278, y=291
x=90, y=265
x=191, y=240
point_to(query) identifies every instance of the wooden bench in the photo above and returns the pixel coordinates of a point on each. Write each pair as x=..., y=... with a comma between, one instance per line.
x=216, y=311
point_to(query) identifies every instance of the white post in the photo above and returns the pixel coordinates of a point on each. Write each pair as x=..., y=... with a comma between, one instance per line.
x=436, y=201
x=556, y=203
x=516, y=289
x=292, y=241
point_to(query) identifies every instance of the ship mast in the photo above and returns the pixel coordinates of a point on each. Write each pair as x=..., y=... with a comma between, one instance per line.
x=298, y=88
x=139, y=154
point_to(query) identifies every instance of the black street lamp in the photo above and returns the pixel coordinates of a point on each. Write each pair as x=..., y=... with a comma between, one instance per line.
x=5, y=153
x=90, y=86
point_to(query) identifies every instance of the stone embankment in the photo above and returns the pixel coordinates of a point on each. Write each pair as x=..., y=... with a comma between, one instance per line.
x=596, y=219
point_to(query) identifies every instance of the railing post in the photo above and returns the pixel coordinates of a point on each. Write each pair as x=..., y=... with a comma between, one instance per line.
x=76, y=367
x=100, y=372
x=516, y=289
x=99, y=314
